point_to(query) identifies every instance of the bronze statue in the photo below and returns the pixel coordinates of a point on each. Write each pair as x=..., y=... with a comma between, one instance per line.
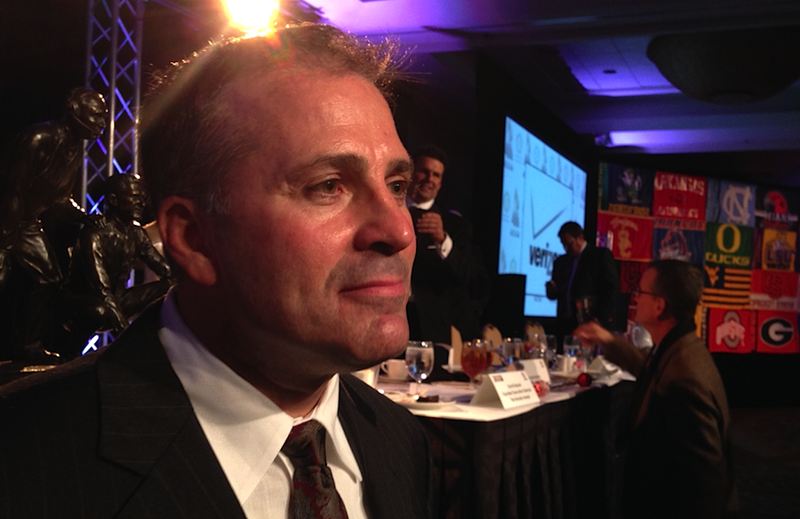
x=96, y=296
x=38, y=174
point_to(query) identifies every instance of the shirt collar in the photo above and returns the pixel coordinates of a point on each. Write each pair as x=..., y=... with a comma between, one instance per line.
x=246, y=437
x=425, y=206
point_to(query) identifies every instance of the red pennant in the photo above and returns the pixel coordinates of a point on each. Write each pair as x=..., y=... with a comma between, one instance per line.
x=777, y=332
x=730, y=331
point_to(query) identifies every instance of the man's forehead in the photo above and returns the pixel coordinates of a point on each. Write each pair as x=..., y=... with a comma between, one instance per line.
x=648, y=277
x=289, y=94
x=429, y=163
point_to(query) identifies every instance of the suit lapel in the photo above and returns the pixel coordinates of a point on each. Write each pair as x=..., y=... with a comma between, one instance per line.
x=359, y=422
x=148, y=426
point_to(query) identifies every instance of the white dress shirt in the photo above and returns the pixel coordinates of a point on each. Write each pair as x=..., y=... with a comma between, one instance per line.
x=246, y=429
x=446, y=246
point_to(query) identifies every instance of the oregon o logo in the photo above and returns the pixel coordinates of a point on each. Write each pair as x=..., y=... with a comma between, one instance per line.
x=777, y=332
x=737, y=238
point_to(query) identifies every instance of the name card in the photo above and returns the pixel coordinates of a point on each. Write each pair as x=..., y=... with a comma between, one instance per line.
x=510, y=389
x=601, y=367
x=536, y=369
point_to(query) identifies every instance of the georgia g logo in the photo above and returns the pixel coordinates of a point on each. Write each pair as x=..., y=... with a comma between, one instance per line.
x=777, y=332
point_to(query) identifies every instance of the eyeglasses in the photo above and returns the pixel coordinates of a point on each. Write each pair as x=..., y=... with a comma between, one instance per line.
x=636, y=291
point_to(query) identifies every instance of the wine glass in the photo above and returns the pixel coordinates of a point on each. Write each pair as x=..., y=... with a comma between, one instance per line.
x=511, y=350
x=419, y=360
x=476, y=356
x=551, y=350
x=585, y=309
x=532, y=348
x=572, y=345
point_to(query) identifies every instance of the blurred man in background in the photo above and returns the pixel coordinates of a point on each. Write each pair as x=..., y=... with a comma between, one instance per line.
x=585, y=282
x=448, y=282
x=677, y=461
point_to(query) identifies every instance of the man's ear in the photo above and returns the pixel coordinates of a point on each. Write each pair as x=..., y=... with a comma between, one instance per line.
x=661, y=309
x=184, y=231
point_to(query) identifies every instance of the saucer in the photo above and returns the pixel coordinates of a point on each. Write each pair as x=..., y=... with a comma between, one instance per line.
x=385, y=379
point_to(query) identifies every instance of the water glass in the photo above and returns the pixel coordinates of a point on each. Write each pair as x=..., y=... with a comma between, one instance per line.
x=419, y=360
x=511, y=350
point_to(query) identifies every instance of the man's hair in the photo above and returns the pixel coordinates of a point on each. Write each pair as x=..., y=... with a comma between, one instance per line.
x=681, y=286
x=432, y=151
x=190, y=133
x=77, y=98
x=120, y=183
x=571, y=228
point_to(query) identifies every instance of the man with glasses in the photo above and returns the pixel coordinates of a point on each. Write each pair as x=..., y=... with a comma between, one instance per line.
x=677, y=461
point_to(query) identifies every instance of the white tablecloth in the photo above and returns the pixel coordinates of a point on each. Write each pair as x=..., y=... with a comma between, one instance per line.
x=460, y=392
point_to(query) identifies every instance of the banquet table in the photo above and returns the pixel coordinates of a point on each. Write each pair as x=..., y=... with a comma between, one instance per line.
x=555, y=459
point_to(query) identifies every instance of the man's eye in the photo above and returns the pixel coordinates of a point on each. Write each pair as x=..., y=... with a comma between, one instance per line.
x=398, y=187
x=328, y=187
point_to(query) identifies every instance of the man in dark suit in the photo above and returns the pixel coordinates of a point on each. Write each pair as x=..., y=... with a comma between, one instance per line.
x=448, y=281
x=677, y=461
x=585, y=281
x=280, y=187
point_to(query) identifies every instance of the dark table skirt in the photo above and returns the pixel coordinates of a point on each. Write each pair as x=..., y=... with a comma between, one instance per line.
x=556, y=461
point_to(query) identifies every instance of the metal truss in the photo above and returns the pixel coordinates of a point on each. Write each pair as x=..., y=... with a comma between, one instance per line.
x=113, y=57
x=114, y=42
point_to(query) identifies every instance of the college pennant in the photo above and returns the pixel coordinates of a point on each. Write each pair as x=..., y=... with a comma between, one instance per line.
x=728, y=245
x=778, y=249
x=626, y=190
x=777, y=332
x=729, y=331
x=731, y=202
x=632, y=236
x=679, y=239
x=726, y=287
x=773, y=290
x=679, y=196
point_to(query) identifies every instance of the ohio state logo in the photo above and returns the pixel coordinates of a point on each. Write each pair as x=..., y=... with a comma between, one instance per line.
x=777, y=332
x=731, y=331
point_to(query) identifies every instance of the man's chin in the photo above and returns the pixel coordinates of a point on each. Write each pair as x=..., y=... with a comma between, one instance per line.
x=385, y=340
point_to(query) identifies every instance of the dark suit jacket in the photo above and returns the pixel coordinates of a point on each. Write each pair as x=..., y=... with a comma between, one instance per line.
x=596, y=275
x=678, y=463
x=113, y=434
x=441, y=287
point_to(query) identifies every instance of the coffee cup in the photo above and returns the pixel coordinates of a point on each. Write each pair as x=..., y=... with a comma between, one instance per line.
x=565, y=363
x=395, y=369
x=368, y=376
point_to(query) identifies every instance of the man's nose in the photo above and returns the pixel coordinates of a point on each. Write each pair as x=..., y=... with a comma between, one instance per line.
x=386, y=224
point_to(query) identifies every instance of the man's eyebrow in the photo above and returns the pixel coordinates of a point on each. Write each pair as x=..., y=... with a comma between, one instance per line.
x=347, y=161
x=403, y=165
x=353, y=162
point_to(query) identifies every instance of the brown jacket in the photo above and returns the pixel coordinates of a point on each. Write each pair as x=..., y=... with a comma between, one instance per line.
x=678, y=462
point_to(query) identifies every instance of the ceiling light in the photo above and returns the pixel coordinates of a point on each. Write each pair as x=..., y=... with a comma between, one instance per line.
x=729, y=67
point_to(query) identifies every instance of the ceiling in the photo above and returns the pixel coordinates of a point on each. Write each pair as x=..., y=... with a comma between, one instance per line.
x=585, y=60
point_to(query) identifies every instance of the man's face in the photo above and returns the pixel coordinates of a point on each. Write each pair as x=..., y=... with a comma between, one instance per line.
x=91, y=116
x=647, y=304
x=427, y=179
x=131, y=201
x=572, y=245
x=315, y=256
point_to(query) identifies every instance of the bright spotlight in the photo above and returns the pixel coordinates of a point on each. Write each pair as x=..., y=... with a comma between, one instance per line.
x=252, y=16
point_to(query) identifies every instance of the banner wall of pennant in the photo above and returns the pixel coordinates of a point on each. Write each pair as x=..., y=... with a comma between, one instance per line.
x=742, y=236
